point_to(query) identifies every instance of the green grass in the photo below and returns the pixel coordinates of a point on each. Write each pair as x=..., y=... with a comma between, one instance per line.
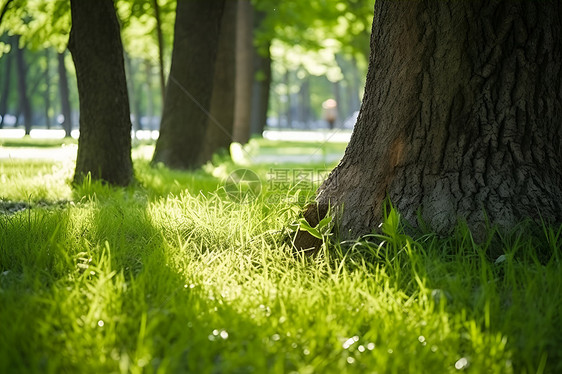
x=170, y=275
x=37, y=143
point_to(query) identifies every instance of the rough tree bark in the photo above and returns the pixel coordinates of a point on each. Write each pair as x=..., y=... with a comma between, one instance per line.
x=190, y=84
x=462, y=115
x=64, y=96
x=25, y=105
x=244, y=72
x=221, y=119
x=104, y=146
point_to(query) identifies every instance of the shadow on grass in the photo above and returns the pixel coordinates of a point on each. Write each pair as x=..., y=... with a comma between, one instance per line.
x=97, y=287
x=506, y=287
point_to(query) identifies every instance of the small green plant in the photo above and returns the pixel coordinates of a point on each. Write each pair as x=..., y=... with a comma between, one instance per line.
x=321, y=231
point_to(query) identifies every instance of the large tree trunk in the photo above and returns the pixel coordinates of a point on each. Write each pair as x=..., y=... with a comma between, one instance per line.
x=244, y=72
x=64, y=96
x=25, y=106
x=221, y=120
x=188, y=94
x=461, y=118
x=104, y=146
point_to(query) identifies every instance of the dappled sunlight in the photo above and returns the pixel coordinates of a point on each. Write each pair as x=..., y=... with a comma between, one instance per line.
x=33, y=180
x=174, y=273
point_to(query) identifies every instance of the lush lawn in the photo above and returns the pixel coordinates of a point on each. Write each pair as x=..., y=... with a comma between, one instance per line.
x=176, y=275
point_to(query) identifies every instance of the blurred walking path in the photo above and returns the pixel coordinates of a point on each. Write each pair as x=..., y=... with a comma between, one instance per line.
x=68, y=151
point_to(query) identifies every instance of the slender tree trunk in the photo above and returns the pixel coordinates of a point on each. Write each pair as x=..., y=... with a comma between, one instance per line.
x=244, y=72
x=289, y=103
x=337, y=96
x=5, y=88
x=137, y=97
x=188, y=94
x=47, y=93
x=149, y=96
x=461, y=118
x=260, y=90
x=104, y=146
x=304, y=101
x=25, y=105
x=160, y=37
x=133, y=94
x=64, y=96
x=221, y=120
x=356, y=85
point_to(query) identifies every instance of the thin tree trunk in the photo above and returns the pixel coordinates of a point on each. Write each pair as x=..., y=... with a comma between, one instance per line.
x=47, y=93
x=356, y=85
x=460, y=120
x=6, y=88
x=25, y=105
x=244, y=72
x=160, y=37
x=64, y=96
x=221, y=120
x=133, y=95
x=337, y=96
x=104, y=146
x=149, y=96
x=304, y=101
x=260, y=90
x=289, y=108
x=137, y=91
x=188, y=94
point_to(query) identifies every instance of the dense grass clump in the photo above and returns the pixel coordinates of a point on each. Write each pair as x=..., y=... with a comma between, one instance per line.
x=172, y=275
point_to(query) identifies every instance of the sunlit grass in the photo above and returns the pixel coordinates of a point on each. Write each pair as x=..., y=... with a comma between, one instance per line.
x=170, y=275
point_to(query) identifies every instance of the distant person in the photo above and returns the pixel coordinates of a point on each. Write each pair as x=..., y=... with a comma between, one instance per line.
x=330, y=111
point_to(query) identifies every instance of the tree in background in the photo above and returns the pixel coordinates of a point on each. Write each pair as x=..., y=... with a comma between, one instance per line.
x=261, y=77
x=38, y=26
x=244, y=71
x=24, y=103
x=460, y=120
x=188, y=93
x=221, y=118
x=104, y=146
x=6, y=80
x=64, y=95
x=147, y=27
x=304, y=38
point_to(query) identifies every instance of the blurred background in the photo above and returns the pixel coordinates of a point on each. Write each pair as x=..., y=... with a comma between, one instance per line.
x=309, y=64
